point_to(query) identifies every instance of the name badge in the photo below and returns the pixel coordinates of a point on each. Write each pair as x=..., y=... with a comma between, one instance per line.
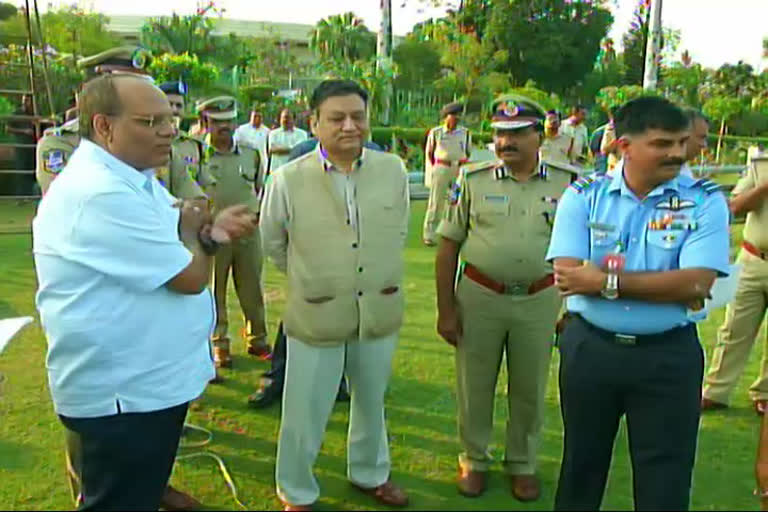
x=496, y=199
x=599, y=226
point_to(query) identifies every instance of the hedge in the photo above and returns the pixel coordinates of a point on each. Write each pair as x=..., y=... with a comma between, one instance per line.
x=382, y=136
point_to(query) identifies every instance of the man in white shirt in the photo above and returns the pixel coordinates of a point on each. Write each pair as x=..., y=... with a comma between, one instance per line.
x=283, y=139
x=123, y=270
x=575, y=128
x=255, y=135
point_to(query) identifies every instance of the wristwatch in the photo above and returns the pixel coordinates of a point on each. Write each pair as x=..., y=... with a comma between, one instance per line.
x=610, y=290
x=209, y=245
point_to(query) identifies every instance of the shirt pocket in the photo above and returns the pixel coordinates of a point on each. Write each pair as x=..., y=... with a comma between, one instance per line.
x=490, y=208
x=664, y=248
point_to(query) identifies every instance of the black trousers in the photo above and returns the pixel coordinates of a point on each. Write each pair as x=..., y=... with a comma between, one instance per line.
x=657, y=385
x=124, y=461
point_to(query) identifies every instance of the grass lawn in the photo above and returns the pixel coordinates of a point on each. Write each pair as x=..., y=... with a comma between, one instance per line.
x=420, y=408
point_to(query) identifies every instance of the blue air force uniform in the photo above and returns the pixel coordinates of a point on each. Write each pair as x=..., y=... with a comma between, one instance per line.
x=628, y=356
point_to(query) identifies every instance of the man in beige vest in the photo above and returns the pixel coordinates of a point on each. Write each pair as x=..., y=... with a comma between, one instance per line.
x=335, y=221
x=744, y=315
x=448, y=146
x=239, y=180
x=500, y=222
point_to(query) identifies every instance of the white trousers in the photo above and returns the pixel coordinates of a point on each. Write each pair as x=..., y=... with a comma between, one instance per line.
x=311, y=384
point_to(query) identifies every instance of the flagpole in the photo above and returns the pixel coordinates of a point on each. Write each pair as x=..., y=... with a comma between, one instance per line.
x=653, y=48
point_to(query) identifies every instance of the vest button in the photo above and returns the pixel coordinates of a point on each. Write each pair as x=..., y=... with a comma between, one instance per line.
x=360, y=269
x=354, y=245
x=359, y=294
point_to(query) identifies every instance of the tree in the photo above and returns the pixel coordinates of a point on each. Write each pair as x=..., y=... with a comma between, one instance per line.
x=342, y=37
x=419, y=64
x=186, y=67
x=682, y=81
x=554, y=43
x=7, y=11
x=469, y=60
x=723, y=108
x=192, y=34
x=70, y=30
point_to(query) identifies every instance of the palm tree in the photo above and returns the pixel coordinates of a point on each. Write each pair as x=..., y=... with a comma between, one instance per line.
x=343, y=37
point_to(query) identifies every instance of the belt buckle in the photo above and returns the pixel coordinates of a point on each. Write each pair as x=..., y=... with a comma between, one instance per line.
x=625, y=339
x=515, y=289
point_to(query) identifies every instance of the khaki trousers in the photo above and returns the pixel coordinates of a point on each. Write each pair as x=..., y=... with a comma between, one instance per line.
x=440, y=186
x=243, y=259
x=743, y=317
x=311, y=384
x=523, y=327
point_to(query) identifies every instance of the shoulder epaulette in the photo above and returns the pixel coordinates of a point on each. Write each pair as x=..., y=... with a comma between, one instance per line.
x=585, y=183
x=562, y=166
x=708, y=186
x=477, y=166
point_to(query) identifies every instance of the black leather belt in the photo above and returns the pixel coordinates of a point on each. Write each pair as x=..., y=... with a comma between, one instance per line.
x=636, y=339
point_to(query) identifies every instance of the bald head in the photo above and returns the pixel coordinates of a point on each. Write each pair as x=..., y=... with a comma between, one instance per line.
x=129, y=117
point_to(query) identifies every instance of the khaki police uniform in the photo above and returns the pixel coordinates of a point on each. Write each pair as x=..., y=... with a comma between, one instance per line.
x=57, y=144
x=506, y=302
x=239, y=180
x=745, y=314
x=445, y=152
x=53, y=151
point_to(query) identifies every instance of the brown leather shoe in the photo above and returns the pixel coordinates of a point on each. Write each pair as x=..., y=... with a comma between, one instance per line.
x=387, y=494
x=173, y=499
x=471, y=483
x=297, y=508
x=711, y=405
x=525, y=487
x=221, y=355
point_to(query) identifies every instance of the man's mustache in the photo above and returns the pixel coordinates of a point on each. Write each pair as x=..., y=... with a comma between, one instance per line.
x=502, y=149
x=673, y=161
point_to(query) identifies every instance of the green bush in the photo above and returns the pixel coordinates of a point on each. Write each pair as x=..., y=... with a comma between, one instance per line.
x=382, y=135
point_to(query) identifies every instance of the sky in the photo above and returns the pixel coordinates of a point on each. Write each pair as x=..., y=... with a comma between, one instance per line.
x=713, y=31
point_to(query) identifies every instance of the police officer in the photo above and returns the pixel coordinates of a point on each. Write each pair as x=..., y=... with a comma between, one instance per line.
x=499, y=222
x=239, y=180
x=636, y=254
x=185, y=176
x=744, y=315
x=448, y=146
x=57, y=144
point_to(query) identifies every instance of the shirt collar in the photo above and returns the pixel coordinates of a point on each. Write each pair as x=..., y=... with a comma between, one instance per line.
x=619, y=184
x=500, y=171
x=133, y=175
x=329, y=166
x=211, y=150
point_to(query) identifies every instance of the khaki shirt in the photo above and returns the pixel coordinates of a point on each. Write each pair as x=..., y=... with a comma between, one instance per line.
x=504, y=225
x=188, y=177
x=451, y=146
x=238, y=177
x=756, y=226
x=53, y=151
x=555, y=149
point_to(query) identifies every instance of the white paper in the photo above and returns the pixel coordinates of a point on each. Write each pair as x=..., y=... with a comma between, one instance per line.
x=9, y=327
x=722, y=292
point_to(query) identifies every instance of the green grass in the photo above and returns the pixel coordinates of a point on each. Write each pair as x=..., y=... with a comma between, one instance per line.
x=420, y=409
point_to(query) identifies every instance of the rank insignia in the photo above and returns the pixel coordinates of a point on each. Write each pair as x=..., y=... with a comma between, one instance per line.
x=509, y=109
x=55, y=161
x=582, y=184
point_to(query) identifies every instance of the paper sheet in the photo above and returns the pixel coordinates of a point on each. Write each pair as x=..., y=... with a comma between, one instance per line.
x=722, y=292
x=9, y=327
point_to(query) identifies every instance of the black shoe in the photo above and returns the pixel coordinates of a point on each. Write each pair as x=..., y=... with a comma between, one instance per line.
x=343, y=394
x=267, y=394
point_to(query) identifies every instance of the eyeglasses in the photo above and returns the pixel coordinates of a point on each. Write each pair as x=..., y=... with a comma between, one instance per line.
x=154, y=121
